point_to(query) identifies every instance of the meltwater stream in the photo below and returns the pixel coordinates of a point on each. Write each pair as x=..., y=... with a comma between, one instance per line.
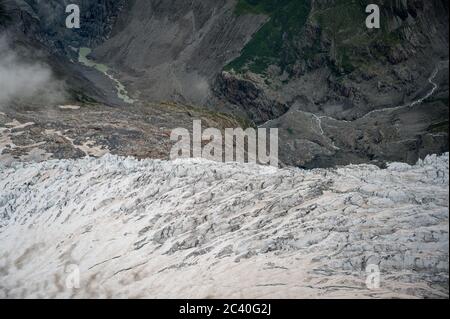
x=121, y=90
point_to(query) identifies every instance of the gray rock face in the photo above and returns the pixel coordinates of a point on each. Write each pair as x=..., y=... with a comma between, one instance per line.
x=400, y=133
x=46, y=22
x=241, y=91
x=322, y=101
x=197, y=229
x=179, y=54
x=344, y=70
x=172, y=50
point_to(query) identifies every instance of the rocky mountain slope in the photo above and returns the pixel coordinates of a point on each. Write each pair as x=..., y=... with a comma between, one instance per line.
x=198, y=229
x=311, y=68
x=30, y=133
x=329, y=76
x=177, y=47
x=319, y=55
x=46, y=21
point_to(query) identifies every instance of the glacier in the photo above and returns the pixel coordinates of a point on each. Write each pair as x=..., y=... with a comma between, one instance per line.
x=200, y=229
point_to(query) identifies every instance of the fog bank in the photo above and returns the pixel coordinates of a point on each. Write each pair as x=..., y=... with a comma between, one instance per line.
x=26, y=80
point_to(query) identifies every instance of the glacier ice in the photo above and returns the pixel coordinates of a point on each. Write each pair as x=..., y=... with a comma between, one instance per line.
x=199, y=229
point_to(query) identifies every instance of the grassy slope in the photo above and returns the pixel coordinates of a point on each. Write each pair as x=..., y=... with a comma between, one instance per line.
x=272, y=43
x=343, y=23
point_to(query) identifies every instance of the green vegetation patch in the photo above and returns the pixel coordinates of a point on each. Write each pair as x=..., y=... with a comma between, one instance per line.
x=272, y=44
x=340, y=21
x=344, y=24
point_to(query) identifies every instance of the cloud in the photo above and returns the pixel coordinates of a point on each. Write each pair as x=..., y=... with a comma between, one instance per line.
x=22, y=80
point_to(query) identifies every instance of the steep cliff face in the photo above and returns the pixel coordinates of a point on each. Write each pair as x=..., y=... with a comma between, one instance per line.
x=333, y=67
x=333, y=64
x=172, y=50
x=176, y=50
x=36, y=33
x=45, y=21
